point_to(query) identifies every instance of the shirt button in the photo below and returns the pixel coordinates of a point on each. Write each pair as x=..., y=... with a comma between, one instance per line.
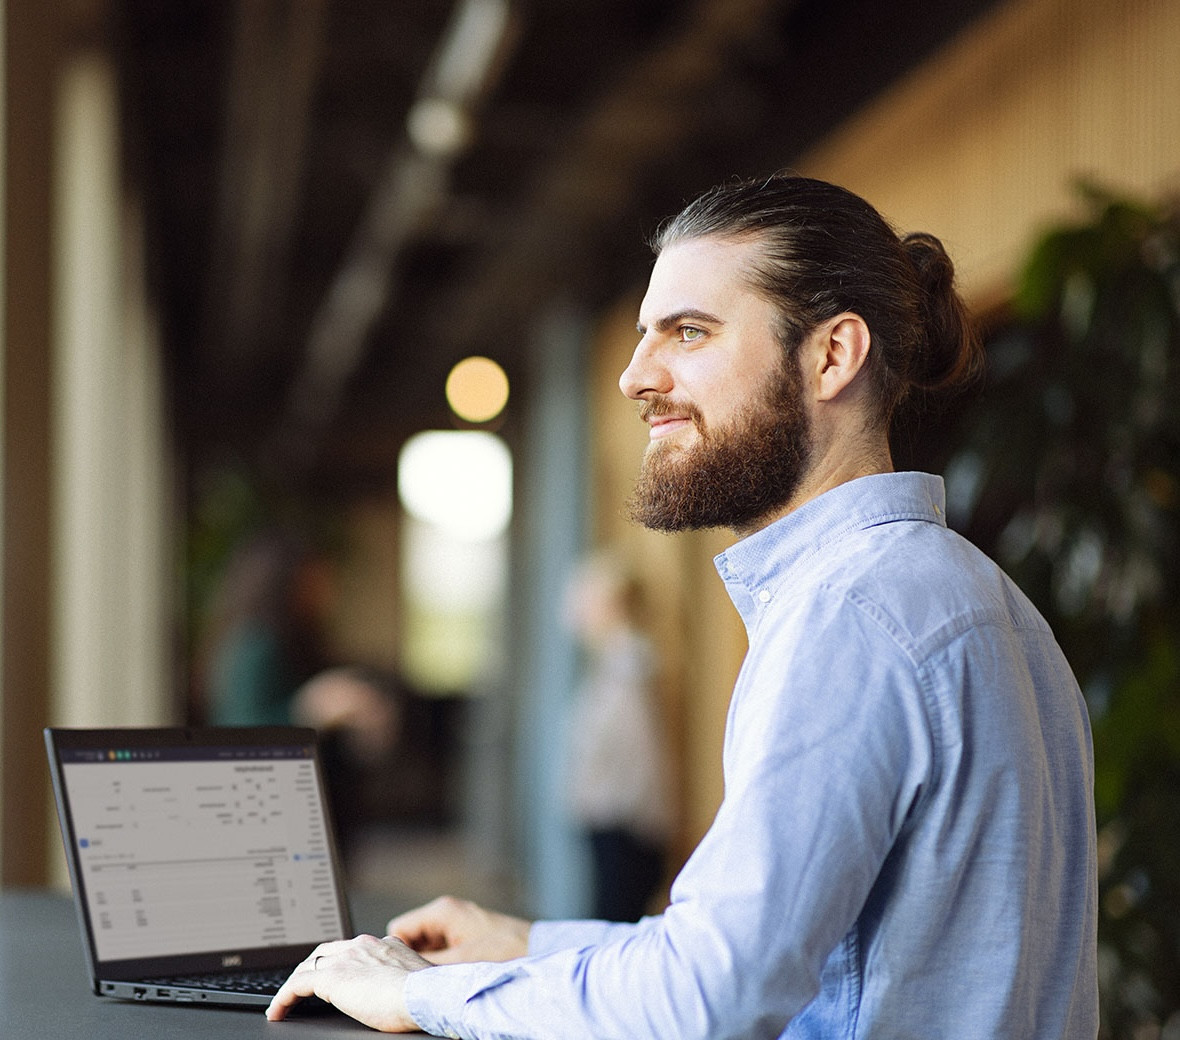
x=764, y=596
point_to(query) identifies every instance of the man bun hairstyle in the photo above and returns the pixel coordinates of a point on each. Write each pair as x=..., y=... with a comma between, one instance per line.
x=952, y=351
x=824, y=251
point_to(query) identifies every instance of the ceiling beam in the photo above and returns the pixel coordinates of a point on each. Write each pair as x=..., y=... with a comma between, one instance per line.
x=453, y=88
x=274, y=66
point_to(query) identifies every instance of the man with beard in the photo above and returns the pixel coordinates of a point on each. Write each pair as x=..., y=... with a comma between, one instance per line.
x=906, y=845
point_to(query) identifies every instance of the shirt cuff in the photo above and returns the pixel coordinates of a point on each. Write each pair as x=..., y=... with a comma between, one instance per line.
x=437, y=997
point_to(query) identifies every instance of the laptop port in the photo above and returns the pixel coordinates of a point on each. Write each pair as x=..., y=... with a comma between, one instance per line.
x=139, y=992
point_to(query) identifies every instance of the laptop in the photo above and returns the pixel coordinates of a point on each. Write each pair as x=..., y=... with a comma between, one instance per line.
x=203, y=863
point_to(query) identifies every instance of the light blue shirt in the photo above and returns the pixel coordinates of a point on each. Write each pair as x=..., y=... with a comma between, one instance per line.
x=906, y=845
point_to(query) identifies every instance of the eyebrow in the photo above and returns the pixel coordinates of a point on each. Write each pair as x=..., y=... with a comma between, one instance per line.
x=670, y=321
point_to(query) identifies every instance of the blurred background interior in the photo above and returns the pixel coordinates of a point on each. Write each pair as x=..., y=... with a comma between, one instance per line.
x=313, y=312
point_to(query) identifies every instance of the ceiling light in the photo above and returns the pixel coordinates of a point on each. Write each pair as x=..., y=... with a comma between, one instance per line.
x=469, y=49
x=477, y=389
x=438, y=128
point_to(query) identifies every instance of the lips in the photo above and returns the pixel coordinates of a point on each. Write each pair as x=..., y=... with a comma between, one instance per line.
x=665, y=416
x=664, y=425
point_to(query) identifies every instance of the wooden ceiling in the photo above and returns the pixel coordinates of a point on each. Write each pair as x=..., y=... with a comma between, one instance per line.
x=317, y=269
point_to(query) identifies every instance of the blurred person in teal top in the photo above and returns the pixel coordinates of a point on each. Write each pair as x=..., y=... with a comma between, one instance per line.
x=906, y=844
x=266, y=664
x=265, y=635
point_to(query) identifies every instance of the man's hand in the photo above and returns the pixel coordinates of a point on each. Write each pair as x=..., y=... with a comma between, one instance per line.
x=364, y=977
x=452, y=931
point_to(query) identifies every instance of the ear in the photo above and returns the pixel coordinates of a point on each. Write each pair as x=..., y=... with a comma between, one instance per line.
x=841, y=350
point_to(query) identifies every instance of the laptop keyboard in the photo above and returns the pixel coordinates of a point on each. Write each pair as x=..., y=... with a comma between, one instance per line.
x=267, y=981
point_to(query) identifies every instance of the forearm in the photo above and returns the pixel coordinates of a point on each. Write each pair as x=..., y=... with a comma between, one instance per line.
x=551, y=936
x=613, y=991
x=696, y=972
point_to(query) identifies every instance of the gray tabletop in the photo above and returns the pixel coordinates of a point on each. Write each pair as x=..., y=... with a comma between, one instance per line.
x=45, y=993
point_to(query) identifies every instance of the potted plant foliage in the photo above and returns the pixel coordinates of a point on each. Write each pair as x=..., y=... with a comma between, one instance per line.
x=1066, y=468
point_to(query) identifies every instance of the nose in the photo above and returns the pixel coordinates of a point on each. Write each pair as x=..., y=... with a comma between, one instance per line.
x=645, y=374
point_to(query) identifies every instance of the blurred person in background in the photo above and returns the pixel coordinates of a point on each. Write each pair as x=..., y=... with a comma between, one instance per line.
x=266, y=633
x=618, y=777
x=267, y=662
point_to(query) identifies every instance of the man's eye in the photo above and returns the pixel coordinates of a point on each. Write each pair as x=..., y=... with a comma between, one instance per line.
x=690, y=333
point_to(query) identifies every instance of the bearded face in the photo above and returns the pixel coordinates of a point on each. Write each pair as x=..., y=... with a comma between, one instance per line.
x=733, y=475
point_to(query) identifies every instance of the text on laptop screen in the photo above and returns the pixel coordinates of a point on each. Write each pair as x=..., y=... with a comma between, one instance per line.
x=186, y=850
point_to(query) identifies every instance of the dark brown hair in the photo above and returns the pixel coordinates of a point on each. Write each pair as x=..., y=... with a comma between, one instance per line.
x=826, y=251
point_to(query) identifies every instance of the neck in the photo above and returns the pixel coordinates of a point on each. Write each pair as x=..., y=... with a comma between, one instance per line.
x=831, y=469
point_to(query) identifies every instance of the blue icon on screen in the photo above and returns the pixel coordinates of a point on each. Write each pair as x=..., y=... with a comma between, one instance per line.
x=84, y=842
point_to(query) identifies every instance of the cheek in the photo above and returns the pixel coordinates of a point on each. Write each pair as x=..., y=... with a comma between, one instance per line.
x=728, y=403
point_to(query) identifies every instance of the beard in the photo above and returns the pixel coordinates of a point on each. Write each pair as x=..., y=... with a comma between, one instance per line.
x=736, y=475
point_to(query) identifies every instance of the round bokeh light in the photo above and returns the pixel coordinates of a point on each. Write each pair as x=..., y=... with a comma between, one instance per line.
x=477, y=389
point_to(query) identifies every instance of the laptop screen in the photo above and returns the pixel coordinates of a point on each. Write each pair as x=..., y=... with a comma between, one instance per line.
x=188, y=849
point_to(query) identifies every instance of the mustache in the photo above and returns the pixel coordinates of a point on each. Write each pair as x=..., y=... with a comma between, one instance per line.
x=660, y=404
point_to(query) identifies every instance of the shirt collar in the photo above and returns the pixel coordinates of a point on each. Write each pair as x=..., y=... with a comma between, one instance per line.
x=753, y=567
